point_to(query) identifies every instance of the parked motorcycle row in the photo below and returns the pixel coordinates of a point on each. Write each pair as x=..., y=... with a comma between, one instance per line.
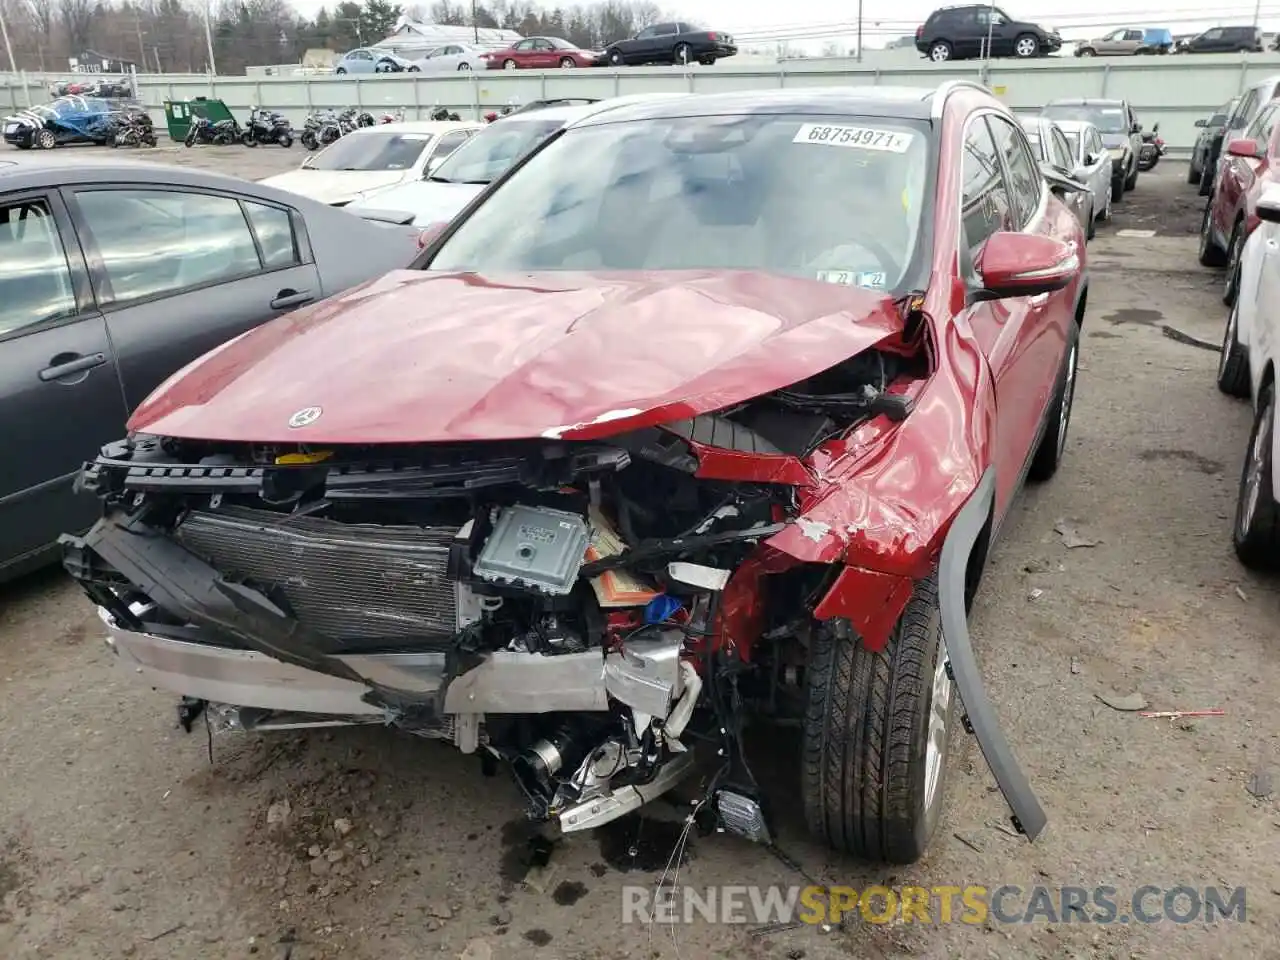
x=262, y=126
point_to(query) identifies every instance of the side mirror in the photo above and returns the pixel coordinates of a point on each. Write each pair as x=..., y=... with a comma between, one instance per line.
x=1137, y=128
x=430, y=232
x=1202, y=122
x=1243, y=147
x=1060, y=181
x=1025, y=265
x=1268, y=207
x=1090, y=159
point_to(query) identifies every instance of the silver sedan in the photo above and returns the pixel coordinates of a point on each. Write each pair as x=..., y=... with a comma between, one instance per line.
x=450, y=58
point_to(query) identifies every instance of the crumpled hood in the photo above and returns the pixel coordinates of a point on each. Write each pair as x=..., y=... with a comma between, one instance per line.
x=429, y=357
x=335, y=186
x=428, y=201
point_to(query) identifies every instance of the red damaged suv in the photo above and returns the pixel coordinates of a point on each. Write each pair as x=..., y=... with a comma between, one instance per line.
x=701, y=419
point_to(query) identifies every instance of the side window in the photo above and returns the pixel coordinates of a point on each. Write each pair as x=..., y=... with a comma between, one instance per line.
x=1241, y=117
x=543, y=45
x=274, y=229
x=1095, y=143
x=159, y=242
x=523, y=45
x=1133, y=35
x=35, y=281
x=1025, y=179
x=449, y=143
x=985, y=204
x=1062, y=151
x=665, y=29
x=646, y=33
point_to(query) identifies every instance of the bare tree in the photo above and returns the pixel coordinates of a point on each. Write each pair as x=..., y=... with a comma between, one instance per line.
x=77, y=21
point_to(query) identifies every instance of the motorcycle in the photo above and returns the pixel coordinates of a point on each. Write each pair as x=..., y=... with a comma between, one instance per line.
x=320, y=129
x=354, y=119
x=134, y=130
x=397, y=117
x=220, y=134
x=442, y=113
x=267, y=126
x=1152, y=149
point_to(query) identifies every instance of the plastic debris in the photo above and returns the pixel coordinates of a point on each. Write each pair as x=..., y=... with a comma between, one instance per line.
x=1128, y=702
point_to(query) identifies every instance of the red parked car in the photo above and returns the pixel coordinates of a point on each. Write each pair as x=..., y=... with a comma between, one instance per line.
x=704, y=415
x=1248, y=164
x=540, y=53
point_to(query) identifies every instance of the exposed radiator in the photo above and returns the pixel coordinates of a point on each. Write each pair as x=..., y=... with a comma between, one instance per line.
x=345, y=580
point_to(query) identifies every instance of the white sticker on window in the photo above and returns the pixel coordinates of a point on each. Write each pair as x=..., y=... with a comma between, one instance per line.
x=874, y=280
x=861, y=138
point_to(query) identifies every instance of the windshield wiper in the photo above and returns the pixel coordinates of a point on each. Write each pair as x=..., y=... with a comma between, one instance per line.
x=477, y=183
x=440, y=180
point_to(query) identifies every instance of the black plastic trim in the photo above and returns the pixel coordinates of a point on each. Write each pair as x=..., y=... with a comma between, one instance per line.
x=1029, y=816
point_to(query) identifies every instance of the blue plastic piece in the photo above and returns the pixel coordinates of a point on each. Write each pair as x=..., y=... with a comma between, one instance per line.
x=661, y=609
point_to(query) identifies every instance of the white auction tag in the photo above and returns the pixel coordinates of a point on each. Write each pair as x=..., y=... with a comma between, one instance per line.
x=860, y=138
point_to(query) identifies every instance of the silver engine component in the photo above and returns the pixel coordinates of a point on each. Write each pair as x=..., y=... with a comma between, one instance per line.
x=534, y=547
x=645, y=674
x=589, y=814
x=742, y=815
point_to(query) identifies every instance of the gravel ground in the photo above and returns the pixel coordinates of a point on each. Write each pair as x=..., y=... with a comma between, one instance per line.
x=120, y=838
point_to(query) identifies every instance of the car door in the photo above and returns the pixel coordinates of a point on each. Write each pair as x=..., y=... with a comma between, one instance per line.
x=998, y=325
x=1238, y=174
x=1027, y=335
x=179, y=271
x=966, y=29
x=60, y=394
x=545, y=54
x=1130, y=42
x=1110, y=43
x=1003, y=33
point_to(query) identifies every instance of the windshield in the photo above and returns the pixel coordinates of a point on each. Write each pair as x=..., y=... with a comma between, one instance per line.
x=372, y=151
x=1107, y=119
x=489, y=154
x=839, y=201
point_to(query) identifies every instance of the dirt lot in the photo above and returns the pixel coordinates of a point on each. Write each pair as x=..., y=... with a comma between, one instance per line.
x=119, y=837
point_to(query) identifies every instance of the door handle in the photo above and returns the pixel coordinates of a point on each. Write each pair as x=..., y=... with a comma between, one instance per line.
x=291, y=298
x=66, y=364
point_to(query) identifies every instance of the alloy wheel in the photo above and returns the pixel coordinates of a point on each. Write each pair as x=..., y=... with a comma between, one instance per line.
x=935, y=751
x=1068, y=395
x=1257, y=467
x=1228, y=340
x=1026, y=47
x=940, y=53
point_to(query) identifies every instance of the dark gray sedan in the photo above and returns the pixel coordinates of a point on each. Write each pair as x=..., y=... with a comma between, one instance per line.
x=113, y=276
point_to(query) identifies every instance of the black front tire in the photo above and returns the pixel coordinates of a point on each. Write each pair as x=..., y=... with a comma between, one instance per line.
x=1117, y=189
x=1193, y=174
x=1132, y=180
x=1256, y=531
x=1206, y=179
x=941, y=51
x=1026, y=46
x=865, y=778
x=1211, y=255
x=1233, y=362
x=616, y=59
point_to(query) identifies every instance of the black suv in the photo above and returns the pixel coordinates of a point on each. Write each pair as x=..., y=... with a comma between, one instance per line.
x=957, y=33
x=1224, y=40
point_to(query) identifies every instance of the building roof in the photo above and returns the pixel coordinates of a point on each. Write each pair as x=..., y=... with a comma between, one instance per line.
x=419, y=35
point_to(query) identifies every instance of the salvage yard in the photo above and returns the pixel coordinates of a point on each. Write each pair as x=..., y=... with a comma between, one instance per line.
x=1114, y=585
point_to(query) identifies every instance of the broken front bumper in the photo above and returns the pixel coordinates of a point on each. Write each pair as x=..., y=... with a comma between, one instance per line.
x=502, y=683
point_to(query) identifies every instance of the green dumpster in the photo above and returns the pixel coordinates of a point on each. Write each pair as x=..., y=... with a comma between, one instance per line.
x=178, y=114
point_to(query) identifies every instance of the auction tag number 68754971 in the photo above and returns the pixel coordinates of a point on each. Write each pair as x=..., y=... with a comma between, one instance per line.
x=859, y=138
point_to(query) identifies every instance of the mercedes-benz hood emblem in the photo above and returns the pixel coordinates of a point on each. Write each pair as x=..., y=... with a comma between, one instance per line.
x=305, y=417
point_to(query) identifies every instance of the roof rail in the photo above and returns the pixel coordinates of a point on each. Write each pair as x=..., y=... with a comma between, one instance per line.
x=948, y=87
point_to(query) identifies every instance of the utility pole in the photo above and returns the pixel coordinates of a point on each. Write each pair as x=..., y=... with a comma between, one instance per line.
x=475, y=23
x=142, y=50
x=8, y=47
x=208, y=38
x=859, y=31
